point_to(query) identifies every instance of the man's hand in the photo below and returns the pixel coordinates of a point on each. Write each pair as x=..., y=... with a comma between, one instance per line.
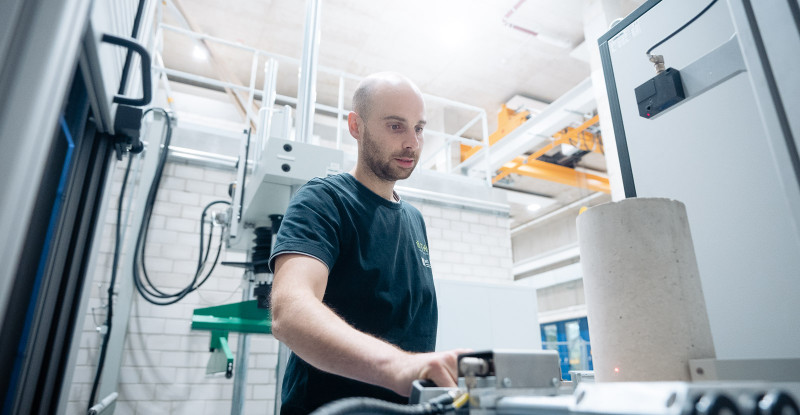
x=439, y=367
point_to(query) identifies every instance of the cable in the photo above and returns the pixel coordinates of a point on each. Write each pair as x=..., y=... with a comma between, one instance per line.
x=364, y=406
x=114, y=266
x=680, y=28
x=144, y=285
x=200, y=261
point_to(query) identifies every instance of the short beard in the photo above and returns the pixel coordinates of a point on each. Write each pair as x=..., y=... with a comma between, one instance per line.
x=383, y=170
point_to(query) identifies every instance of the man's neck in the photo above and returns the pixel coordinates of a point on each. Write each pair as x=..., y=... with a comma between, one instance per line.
x=380, y=187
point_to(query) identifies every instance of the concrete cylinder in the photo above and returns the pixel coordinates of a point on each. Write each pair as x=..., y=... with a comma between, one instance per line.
x=646, y=311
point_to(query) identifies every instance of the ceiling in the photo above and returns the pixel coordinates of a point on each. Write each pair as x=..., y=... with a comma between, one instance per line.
x=478, y=52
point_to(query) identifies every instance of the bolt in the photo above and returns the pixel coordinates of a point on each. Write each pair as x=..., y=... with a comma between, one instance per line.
x=507, y=382
x=672, y=398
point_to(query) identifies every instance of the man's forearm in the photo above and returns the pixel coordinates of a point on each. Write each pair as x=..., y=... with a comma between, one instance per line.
x=323, y=339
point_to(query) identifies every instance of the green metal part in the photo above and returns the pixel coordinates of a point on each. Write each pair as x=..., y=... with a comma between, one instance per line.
x=221, y=355
x=243, y=317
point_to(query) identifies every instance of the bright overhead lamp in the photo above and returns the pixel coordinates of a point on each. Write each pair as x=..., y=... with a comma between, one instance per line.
x=199, y=53
x=533, y=207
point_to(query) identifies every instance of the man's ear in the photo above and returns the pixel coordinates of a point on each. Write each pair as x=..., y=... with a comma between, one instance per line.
x=353, y=121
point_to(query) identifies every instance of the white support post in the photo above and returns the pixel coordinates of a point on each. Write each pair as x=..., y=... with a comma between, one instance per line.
x=485, y=131
x=340, y=108
x=307, y=90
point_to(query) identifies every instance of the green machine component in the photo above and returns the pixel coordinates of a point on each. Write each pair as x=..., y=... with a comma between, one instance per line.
x=243, y=317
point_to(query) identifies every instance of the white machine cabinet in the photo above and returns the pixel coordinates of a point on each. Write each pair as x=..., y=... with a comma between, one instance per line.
x=729, y=151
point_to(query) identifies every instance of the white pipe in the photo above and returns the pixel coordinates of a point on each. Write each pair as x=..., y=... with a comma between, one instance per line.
x=469, y=124
x=409, y=192
x=201, y=79
x=339, y=112
x=556, y=212
x=251, y=93
x=487, y=144
x=307, y=89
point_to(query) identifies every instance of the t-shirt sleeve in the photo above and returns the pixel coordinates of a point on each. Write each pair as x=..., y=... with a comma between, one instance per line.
x=311, y=225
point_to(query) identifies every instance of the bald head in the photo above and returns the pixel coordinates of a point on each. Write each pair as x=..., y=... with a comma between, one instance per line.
x=373, y=85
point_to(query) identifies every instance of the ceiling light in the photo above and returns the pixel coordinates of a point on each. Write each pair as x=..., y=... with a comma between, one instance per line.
x=199, y=53
x=533, y=207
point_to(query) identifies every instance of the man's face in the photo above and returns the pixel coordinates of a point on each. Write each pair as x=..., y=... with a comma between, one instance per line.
x=392, y=139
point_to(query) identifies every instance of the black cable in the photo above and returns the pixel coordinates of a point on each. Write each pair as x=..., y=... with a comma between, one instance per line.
x=134, y=35
x=366, y=406
x=153, y=295
x=682, y=27
x=141, y=278
x=114, y=266
x=200, y=259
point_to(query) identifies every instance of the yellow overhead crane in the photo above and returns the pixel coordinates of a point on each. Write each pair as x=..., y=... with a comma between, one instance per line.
x=580, y=137
x=507, y=121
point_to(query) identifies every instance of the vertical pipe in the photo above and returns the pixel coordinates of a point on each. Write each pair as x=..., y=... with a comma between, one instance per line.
x=339, y=112
x=485, y=131
x=270, y=100
x=267, y=110
x=252, y=93
x=243, y=349
x=448, y=154
x=307, y=91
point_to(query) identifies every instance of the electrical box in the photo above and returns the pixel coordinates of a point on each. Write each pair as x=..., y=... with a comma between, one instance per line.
x=283, y=166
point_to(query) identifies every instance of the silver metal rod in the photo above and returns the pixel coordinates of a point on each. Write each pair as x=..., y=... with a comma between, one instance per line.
x=251, y=93
x=470, y=124
x=307, y=90
x=243, y=349
x=340, y=110
x=201, y=79
x=485, y=131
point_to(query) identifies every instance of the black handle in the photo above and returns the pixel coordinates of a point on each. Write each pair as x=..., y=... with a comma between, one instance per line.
x=132, y=45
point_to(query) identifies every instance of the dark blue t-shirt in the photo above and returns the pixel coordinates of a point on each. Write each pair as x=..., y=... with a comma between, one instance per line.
x=379, y=281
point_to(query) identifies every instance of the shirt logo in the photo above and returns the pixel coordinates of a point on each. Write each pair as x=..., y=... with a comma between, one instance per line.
x=425, y=262
x=422, y=247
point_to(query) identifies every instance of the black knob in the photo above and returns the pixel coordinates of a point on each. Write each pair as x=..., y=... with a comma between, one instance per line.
x=778, y=403
x=286, y=167
x=287, y=147
x=716, y=404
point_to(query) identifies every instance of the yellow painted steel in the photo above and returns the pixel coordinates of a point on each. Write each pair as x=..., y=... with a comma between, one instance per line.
x=554, y=173
x=507, y=121
x=578, y=137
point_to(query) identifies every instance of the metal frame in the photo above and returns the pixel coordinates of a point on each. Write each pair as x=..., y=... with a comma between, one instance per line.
x=613, y=97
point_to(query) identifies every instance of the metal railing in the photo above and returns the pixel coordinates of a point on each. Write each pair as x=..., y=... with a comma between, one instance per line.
x=269, y=95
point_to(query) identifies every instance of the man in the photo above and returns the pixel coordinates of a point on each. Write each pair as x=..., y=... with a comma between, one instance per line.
x=353, y=293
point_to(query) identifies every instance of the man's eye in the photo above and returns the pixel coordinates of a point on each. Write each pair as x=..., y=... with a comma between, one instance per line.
x=419, y=130
x=395, y=127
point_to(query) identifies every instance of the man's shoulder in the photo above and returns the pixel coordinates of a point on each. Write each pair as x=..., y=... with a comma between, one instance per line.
x=334, y=185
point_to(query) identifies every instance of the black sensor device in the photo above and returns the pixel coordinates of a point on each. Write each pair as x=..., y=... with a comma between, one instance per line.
x=659, y=93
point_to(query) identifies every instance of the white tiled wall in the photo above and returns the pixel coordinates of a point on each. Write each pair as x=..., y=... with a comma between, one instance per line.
x=467, y=244
x=163, y=364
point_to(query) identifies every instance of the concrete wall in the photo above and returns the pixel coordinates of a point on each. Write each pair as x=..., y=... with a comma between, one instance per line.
x=163, y=364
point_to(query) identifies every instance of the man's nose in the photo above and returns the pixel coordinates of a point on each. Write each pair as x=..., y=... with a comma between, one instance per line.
x=413, y=140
